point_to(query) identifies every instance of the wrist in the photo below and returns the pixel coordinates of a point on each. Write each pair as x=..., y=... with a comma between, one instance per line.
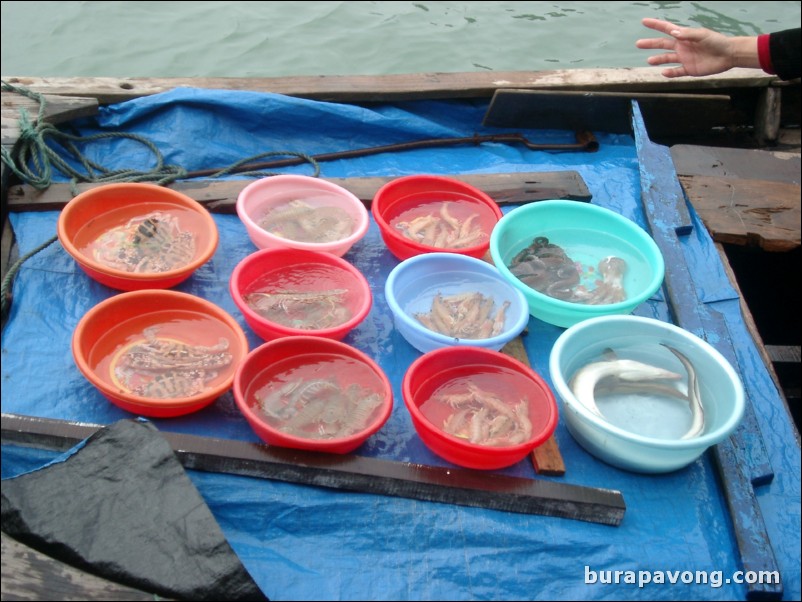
x=744, y=52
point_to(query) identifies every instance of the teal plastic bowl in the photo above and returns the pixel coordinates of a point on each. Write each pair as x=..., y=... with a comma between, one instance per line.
x=639, y=427
x=587, y=234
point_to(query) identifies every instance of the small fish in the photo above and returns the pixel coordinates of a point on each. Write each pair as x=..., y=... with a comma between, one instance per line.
x=694, y=397
x=583, y=384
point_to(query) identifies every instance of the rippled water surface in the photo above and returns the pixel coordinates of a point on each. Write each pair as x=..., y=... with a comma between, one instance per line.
x=265, y=39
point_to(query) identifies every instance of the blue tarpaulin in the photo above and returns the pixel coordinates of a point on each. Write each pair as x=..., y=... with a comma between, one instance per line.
x=303, y=543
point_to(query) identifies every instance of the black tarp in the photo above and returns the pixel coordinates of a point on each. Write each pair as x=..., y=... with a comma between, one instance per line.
x=121, y=507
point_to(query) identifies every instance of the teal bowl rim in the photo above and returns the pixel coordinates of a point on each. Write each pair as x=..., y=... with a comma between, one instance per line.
x=471, y=264
x=655, y=258
x=702, y=442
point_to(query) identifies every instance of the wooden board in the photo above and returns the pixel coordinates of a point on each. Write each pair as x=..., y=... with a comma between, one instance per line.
x=546, y=458
x=745, y=163
x=746, y=197
x=363, y=88
x=758, y=213
x=463, y=487
x=220, y=196
x=57, y=109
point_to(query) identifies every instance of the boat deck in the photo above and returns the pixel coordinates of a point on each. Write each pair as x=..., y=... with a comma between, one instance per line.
x=743, y=225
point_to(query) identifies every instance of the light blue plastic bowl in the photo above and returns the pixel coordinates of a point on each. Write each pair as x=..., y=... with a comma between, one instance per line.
x=588, y=233
x=413, y=283
x=639, y=434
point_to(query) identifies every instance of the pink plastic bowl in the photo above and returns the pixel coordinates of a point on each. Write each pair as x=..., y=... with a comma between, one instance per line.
x=289, y=292
x=452, y=384
x=423, y=214
x=275, y=194
x=312, y=393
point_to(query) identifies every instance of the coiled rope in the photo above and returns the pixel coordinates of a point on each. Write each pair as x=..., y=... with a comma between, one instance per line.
x=35, y=158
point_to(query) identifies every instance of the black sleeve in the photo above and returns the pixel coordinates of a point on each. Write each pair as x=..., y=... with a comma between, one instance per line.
x=784, y=48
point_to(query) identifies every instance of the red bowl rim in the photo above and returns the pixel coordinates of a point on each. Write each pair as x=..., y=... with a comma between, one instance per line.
x=317, y=345
x=495, y=358
x=458, y=186
x=310, y=257
x=169, y=196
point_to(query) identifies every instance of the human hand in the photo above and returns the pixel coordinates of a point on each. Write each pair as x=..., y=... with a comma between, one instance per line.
x=698, y=51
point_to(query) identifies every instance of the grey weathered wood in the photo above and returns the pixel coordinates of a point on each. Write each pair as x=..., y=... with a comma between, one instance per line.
x=30, y=575
x=744, y=196
x=363, y=88
x=758, y=213
x=784, y=354
x=350, y=472
x=767, y=116
x=57, y=109
x=746, y=163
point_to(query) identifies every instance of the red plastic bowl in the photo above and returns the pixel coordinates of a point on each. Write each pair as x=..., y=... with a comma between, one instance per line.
x=480, y=394
x=312, y=393
x=125, y=346
x=422, y=214
x=289, y=292
x=133, y=236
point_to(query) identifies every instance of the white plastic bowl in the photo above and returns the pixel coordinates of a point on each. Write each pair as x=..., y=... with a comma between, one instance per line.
x=413, y=284
x=257, y=199
x=643, y=434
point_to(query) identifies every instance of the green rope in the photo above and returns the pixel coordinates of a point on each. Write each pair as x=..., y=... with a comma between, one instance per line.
x=235, y=167
x=36, y=160
x=5, y=287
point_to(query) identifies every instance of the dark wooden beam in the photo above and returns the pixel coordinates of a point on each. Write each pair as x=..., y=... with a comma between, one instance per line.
x=462, y=487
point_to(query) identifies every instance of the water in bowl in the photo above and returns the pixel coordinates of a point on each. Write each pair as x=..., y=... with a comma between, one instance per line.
x=317, y=396
x=164, y=355
x=144, y=238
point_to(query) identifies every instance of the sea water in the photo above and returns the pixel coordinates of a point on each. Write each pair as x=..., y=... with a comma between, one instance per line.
x=272, y=39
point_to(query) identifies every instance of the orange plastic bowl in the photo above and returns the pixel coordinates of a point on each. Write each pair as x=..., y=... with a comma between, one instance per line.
x=478, y=408
x=133, y=236
x=312, y=393
x=286, y=292
x=422, y=214
x=159, y=353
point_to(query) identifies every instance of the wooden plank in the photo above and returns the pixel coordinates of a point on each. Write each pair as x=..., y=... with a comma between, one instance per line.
x=746, y=197
x=31, y=575
x=785, y=354
x=609, y=111
x=758, y=213
x=57, y=109
x=546, y=459
x=361, y=88
x=746, y=163
x=221, y=195
x=742, y=460
x=350, y=472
